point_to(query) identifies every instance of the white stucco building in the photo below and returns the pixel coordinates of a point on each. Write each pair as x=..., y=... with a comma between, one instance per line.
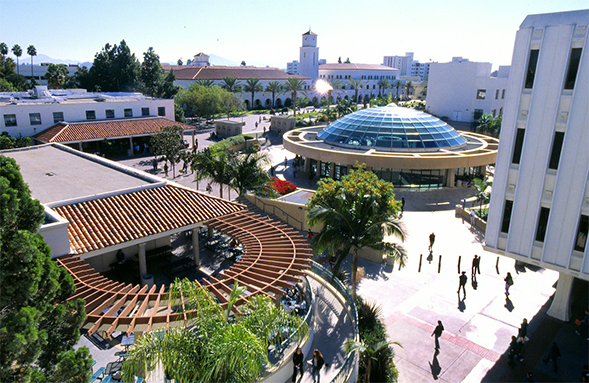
x=309, y=57
x=39, y=70
x=407, y=65
x=463, y=91
x=28, y=113
x=539, y=211
x=292, y=67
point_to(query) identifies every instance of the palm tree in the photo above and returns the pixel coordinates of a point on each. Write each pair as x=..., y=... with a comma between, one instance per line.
x=384, y=84
x=397, y=85
x=274, y=87
x=345, y=107
x=248, y=172
x=17, y=50
x=32, y=51
x=408, y=86
x=3, y=49
x=212, y=165
x=357, y=212
x=293, y=85
x=335, y=86
x=231, y=84
x=206, y=83
x=367, y=350
x=253, y=85
x=483, y=196
x=356, y=84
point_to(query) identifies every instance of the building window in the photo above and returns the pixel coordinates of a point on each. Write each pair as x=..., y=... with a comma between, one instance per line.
x=481, y=94
x=145, y=112
x=542, y=224
x=325, y=169
x=556, y=149
x=573, y=68
x=496, y=94
x=90, y=115
x=506, y=216
x=531, y=72
x=478, y=113
x=57, y=117
x=35, y=118
x=110, y=113
x=129, y=112
x=519, y=143
x=10, y=120
x=582, y=231
x=503, y=94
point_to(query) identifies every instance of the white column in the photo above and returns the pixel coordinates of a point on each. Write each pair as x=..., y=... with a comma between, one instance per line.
x=561, y=305
x=142, y=261
x=195, y=248
x=307, y=165
x=450, y=178
x=131, y=145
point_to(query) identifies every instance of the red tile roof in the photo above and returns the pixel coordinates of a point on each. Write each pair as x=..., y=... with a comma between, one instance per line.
x=102, y=222
x=191, y=72
x=92, y=130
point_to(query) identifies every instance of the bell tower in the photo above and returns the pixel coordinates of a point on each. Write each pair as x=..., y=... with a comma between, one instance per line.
x=309, y=60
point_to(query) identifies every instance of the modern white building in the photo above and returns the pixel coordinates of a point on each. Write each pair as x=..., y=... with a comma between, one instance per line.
x=407, y=65
x=28, y=113
x=39, y=70
x=292, y=67
x=463, y=91
x=539, y=212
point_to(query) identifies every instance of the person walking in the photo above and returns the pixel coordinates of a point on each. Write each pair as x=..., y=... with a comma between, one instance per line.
x=285, y=162
x=438, y=333
x=462, y=283
x=583, y=325
x=553, y=355
x=317, y=363
x=432, y=239
x=514, y=351
x=522, y=337
x=166, y=168
x=297, y=364
x=309, y=234
x=476, y=262
x=508, y=283
x=472, y=218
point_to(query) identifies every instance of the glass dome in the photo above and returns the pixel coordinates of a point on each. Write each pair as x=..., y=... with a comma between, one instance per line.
x=392, y=128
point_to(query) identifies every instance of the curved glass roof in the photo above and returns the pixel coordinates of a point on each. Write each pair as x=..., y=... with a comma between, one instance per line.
x=392, y=128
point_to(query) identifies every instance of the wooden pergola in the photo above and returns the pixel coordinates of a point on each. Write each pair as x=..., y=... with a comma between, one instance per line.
x=274, y=258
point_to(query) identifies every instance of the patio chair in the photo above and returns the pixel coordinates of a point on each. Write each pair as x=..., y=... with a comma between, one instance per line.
x=97, y=374
x=106, y=379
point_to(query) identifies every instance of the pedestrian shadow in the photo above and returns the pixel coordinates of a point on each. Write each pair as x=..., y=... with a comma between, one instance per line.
x=509, y=304
x=461, y=304
x=434, y=366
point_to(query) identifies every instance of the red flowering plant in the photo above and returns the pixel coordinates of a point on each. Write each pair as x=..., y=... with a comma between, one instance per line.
x=281, y=186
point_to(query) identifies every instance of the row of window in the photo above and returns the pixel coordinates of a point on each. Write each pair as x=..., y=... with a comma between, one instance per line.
x=365, y=77
x=482, y=94
x=571, y=75
x=555, y=152
x=35, y=118
x=582, y=227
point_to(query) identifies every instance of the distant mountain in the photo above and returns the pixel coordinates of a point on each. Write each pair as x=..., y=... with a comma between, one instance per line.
x=41, y=58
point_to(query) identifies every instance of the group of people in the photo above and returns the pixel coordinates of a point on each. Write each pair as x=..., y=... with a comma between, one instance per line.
x=316, y=363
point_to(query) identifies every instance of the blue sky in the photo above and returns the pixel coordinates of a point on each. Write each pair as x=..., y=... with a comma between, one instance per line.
x=269, y=32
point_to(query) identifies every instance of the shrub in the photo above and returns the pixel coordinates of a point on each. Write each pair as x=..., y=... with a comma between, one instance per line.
x=282, y=187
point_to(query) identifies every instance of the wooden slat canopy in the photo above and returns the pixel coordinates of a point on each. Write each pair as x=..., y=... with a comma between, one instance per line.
x=274, y=257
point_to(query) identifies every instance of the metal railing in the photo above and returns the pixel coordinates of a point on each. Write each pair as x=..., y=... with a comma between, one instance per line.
x=274, y=208
x=352, y=359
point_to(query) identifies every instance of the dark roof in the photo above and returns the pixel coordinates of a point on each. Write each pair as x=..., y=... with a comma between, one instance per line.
x=92, y=130
x=309, y=33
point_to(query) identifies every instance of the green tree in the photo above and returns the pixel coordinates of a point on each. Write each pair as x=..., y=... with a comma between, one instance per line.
x=408, y=87
x=168, y=143
x=253, y=85
x=248, y=171
x=357, y=212
x=231, y=84
x=398, y=84
x=368, y=351
x=57, y=75
x=212, y=164
x=31, y=51
x=167, y=88
x=356, y=84
x=179, y=62
x=205, y=83
x=3, y=49
x=212, y=348
x=200, y=100
x=115, y=69
x=335, y=86
x=80, y=79
x=489, y=125
x=345, y=107
x=231, y=103
x=274, y=87
x=38, y=326
x=294, y=85
x=152, y=74
x=383, y=84
x=17, y=50
x=483, y=193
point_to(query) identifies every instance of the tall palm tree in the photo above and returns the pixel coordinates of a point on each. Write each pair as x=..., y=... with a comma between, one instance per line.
x=231, y=84
x=3, y=49
x=368, y=350
x=383, y=83
x=335, y=86
x=17, y=50
x=274, y=87
x=253, y=85
x=32, y=51
x=398, y=84
x=206, y=83
x=356, y=84
x=212, y=165
x=483, y=194
x=357, y=212
x=293, y=85
x=248, y=171
x=409, y=87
